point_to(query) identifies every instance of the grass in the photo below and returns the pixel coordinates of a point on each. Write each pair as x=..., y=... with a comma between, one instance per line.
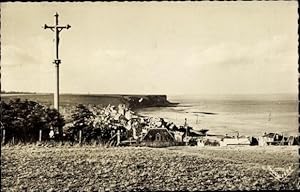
x=88, y=168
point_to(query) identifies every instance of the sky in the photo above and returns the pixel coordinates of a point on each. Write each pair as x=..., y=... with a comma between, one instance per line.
x=152, y=48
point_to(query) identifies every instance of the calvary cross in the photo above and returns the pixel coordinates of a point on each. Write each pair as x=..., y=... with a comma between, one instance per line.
x=57, y=29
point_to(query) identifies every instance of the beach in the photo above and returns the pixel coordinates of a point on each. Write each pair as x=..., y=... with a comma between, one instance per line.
x=250, y=115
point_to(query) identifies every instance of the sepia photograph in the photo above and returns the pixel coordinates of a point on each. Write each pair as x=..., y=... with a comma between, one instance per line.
x=149, y=96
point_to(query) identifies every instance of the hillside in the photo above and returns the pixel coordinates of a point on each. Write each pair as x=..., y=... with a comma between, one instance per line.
x=131, y=101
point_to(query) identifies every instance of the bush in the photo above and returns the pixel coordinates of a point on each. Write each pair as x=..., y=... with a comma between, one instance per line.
x=81, y=120
x=193, y=141
x=97, y=123
x=23, y=120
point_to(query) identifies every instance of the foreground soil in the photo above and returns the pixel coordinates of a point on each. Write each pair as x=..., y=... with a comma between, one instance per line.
x=87, y=168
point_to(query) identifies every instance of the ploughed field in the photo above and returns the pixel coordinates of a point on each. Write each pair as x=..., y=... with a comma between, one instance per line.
x=89, y=168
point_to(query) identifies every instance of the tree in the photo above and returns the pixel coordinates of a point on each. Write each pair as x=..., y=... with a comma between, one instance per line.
x=81, y=120
x=97, y=123
x=23, y=120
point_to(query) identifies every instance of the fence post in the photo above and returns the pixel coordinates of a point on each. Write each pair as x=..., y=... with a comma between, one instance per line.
x=3, y=136
x=40, y=135
x=13, y=140
x=118, y=137
x=80, y=136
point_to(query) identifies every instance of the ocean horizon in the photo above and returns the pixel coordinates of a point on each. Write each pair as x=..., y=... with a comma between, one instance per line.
x=246, y=114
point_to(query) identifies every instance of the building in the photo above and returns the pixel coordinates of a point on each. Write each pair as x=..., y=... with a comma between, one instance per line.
x=192, y=137
x=178, y=136
x=235, y=141
x=271, y=139
x=291, y=140
x=158, y=137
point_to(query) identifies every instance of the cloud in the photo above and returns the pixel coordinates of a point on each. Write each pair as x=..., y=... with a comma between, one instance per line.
x=13, y=56
x=228, y=55
x=190, y=49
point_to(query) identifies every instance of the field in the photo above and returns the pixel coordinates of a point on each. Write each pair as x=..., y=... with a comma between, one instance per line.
x=88, y=168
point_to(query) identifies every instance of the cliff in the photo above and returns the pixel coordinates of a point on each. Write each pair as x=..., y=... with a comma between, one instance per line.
x=140, y=101
x=131, y=101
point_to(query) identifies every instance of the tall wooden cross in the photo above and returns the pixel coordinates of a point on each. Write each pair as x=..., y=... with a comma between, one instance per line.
x=56, y=29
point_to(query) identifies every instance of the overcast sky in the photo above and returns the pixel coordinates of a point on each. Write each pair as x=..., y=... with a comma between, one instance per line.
x=152, y=48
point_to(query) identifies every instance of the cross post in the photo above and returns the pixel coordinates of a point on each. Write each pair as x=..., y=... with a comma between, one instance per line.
x=56, y=28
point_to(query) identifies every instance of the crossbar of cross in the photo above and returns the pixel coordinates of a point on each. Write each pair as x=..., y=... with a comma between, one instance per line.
x=57, y=29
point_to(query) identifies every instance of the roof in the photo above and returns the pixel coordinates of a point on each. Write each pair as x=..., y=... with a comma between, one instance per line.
x=197, y=133
x=162, y=131
x=270, y=135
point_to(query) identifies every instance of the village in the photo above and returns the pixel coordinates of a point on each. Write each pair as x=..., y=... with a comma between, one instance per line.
x=163, y=135
x=114, y=126
x=130, y=129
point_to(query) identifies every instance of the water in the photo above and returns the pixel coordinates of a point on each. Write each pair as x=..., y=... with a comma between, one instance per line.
x=247, y=114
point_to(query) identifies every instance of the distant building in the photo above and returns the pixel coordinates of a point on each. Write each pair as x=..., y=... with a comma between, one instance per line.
x=291, y=140
x=178, y=136
x=271, y=139
x=195, y=133
x=191, y=136
x=235, y=141
x=158, y=137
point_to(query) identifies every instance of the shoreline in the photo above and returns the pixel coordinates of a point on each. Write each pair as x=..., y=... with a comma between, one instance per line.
x=137, y=103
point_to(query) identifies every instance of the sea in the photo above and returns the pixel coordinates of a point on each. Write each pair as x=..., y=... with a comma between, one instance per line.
x=248, y=115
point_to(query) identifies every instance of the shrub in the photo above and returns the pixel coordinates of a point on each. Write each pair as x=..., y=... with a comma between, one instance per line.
x=81, y=120
x=23, y=120
x=97, y=123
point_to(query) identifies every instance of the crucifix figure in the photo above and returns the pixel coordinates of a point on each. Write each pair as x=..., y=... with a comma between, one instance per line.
x=57, y=29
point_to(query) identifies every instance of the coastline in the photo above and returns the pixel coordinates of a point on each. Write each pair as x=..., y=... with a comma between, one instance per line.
x=131, y=101
x=218, y=122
